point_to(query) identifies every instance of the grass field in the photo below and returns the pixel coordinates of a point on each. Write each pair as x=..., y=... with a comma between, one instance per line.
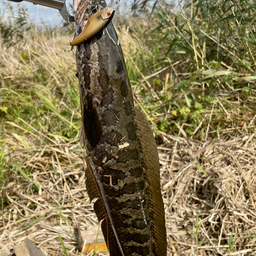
x=193, y=74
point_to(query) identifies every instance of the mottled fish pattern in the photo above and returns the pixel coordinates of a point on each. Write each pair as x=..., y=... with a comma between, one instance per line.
x=121, y=155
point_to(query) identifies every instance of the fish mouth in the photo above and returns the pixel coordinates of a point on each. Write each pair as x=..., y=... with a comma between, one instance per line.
x=86, y=8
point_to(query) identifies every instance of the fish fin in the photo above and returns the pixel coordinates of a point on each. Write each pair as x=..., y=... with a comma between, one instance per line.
x=102, y=210
x=151, y=163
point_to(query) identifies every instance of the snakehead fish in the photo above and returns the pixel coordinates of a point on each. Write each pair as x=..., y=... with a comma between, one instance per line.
x=121, y=155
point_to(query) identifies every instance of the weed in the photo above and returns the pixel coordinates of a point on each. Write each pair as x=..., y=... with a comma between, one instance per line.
x=196, y=234
x=63, y=246
x=186, y=55
x=231, y=241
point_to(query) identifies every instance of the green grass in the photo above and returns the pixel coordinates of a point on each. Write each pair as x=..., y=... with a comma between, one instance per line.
x=63, y=246
x=183, y=68
x=198, y=74
x=188, y=75
x=39, y=97
x=231, y=241
x=196, y=234
x=185, y=72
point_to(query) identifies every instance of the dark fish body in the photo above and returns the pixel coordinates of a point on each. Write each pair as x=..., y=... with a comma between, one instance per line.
x=122, y=160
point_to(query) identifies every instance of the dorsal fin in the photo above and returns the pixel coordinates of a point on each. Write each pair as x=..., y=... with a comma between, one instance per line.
x=151, y=163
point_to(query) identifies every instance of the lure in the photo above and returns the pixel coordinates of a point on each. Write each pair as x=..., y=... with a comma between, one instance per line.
x=94, y=24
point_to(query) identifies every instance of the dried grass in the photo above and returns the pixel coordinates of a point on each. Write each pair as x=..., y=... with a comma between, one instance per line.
x=208, y=186
x=208, y=189
x=209, y=193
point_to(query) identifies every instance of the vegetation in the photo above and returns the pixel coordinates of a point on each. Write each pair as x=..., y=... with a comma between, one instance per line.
x=199, y=65
x=193, y=72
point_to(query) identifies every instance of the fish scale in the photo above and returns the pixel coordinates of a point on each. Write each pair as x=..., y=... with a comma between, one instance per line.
x=121, y=154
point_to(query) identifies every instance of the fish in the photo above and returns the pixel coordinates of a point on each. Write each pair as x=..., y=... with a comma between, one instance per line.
x=122, y=165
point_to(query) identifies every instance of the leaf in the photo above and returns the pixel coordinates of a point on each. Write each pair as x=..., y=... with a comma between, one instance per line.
x=181, y=52
x=214, y=73
x=248, y=78
x=35, y=185
x=22, y=140
x=187, y=101
x=54, y=109
x=24, y=175
x=198, y=105
x=201, y=169
x=63, y=245
x=33, y=222
x=248, y=39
